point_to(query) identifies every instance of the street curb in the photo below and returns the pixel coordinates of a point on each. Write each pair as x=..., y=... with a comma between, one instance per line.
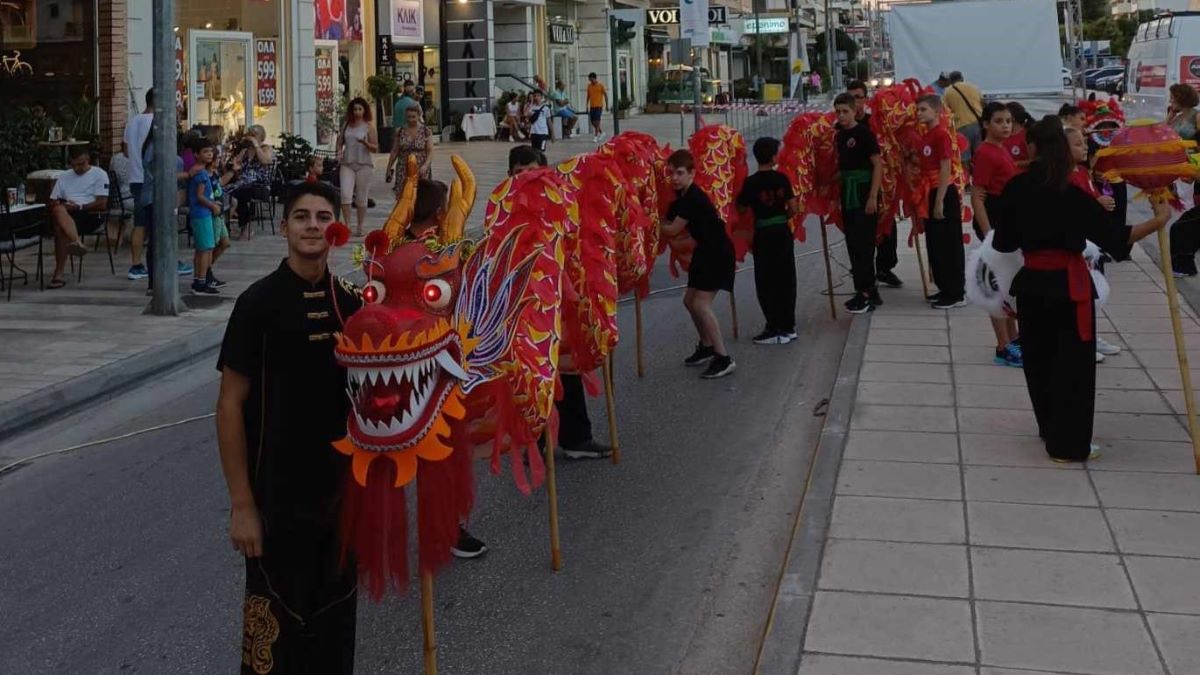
x=58, y=400
x=783, y=644
x=1186, y=287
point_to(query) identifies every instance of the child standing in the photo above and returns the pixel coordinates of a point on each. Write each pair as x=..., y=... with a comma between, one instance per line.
x=201, y=210
x=861, y=173
x=220, y=229
x=712, y=267
x=943, y=227
x=994, y=167
x=314, y=168
x=769, y=195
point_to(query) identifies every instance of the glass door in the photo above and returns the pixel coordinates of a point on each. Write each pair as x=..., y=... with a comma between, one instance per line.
x=327, y=88
x=624, y=91
x=221, y=77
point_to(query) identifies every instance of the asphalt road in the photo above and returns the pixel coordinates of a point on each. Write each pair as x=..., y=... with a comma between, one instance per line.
x=114, y=559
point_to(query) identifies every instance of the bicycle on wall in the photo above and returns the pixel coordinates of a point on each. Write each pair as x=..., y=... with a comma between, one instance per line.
x=14, y=66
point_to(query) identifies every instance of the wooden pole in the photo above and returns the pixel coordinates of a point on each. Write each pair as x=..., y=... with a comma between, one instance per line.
x=609, y=400
x=637, y=309
x=828, y=272
x=552, y=493
x=733, y=312
x=1185, y=373
x=427, y=615
x=921, y=264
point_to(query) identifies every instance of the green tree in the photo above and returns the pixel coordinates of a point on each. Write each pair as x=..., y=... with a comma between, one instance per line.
x=1095, y=9
x=842, y=43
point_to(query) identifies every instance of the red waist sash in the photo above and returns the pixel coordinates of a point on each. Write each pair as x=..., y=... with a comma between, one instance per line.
x=1079, y=282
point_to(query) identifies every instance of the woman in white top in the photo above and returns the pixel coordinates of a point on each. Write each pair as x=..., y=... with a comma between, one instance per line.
x=355, y=144
x=512, y=119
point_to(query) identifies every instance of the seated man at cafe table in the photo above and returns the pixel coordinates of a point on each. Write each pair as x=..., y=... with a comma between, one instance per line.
x=78, y=204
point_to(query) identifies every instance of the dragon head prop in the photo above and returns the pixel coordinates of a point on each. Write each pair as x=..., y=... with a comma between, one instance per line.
x=445, y=323
x=1102, y=119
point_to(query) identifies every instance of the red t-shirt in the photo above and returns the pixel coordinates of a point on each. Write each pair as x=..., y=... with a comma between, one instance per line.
x=1017, y=146
x=994, y=167
x=1082, y=179
x=934, y=147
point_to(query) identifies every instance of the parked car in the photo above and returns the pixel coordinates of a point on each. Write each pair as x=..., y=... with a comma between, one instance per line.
x=1066, y=76
x=1090, y=81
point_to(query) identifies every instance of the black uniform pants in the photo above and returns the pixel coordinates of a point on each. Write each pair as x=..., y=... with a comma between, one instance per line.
x=574, y=425
x=1185, y=241
x=860, y=244
x=885, y=253
x=300, y=604
x=1060, y=371
x=775, y=276
x=943, y=241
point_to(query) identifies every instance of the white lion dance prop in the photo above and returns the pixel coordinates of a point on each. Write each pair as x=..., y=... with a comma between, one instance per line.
x=990, y=274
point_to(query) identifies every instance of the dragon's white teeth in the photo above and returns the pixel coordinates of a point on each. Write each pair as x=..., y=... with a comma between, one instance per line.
x=449, y=365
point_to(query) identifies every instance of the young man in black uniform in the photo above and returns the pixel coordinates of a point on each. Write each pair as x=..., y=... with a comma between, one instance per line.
x=280, y=406
x=575, y=427
x=886, y=258
x=861, y=173
x=769, y=195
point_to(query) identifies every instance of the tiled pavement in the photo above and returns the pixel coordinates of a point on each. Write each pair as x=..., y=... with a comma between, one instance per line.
x=956, y=547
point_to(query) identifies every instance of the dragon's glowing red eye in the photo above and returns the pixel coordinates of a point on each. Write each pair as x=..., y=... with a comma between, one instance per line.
x=374, y=292
x=436, y=293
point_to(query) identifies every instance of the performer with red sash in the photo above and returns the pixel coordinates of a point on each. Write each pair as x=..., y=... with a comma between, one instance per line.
x=1048, y=219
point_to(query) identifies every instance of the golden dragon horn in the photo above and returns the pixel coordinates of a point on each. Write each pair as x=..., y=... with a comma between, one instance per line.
x=402, y=212
x=462, y=201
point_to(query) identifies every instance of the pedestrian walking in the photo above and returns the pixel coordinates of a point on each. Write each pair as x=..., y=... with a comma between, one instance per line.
x=137, y=132
x=769, y=197
x=994, y=166
x=943, y=226
x=597, y=96
x=539, y=122
x=965, y=103
x=712, y=267
x=1048, y=219
x=281, y=405
x=355, y=143
x=860, y=170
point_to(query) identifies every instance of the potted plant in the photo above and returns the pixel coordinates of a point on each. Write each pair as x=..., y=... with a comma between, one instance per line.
x=623, y=106
x=654, y=91
x=383, y=90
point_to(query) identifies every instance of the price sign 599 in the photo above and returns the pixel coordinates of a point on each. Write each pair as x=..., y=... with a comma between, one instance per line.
x=268, y=77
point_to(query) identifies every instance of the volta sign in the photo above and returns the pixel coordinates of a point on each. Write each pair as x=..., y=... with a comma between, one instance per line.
x=669, y=16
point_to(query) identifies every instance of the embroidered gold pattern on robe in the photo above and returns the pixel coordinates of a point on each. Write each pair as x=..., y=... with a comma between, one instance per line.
x=260, y=632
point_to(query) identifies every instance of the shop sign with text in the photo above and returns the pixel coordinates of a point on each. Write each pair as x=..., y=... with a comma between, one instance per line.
x=266, y=58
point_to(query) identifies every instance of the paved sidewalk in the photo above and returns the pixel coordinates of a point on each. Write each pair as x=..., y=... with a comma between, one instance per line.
x=956, y=547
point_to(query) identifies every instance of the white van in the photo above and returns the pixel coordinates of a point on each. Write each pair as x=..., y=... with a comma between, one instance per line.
x=1165, y=51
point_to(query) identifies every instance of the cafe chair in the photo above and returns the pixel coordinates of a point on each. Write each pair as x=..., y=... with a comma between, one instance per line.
x=19, y=231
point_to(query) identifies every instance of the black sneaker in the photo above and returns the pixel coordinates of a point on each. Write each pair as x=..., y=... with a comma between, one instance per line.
x=859, y=304
x=588, y=450
x=874, y=297
x=888, y=278
x=720, y=366
x=202, y=286
x=701, y=356
x=213, y=280
x=468, y=546
x=950, y=303
x=934, y=297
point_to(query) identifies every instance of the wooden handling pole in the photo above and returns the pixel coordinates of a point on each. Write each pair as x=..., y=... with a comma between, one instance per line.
x=610, y=401
x=828, y=272
x=637, y=309
x=552, y=493
x=1185, y=373
x=921, y=265
x=427, y=615
x=733, y=312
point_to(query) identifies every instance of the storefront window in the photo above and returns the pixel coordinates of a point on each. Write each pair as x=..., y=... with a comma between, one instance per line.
x=339, y=28
x=48, y=61
x=233, y=60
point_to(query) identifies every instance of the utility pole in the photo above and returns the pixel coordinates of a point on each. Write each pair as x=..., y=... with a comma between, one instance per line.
x=758, y=47
x=612, y=56
x=697, y=118
x=831, y=48
x=165, y=300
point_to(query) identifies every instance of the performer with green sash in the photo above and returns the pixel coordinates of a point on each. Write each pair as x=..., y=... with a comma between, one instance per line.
x=861, y=173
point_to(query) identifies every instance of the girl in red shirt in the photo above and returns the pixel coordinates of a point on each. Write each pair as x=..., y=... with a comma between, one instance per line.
x=994, y=167
x=1016, y=144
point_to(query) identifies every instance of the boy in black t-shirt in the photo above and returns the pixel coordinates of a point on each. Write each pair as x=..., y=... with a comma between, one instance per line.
x=712, y=266
x=861, y=172
x=769, y=195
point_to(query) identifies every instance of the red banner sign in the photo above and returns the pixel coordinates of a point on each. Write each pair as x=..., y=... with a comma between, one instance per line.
x=326, y=107
x=1189, y=70
x=268, y=78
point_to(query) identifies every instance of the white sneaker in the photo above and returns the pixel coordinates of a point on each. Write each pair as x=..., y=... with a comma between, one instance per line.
x=1099, y=357
x=1106, y=348
x=600, y=137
